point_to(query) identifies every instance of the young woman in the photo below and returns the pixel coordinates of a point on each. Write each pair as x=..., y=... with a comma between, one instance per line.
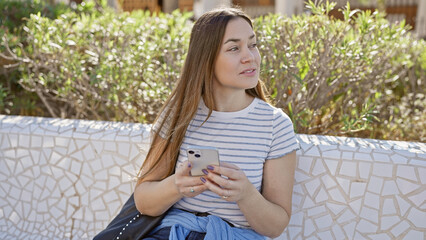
x=219, y=102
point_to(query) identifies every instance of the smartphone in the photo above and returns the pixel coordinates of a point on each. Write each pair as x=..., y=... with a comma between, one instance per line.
x=200, y=157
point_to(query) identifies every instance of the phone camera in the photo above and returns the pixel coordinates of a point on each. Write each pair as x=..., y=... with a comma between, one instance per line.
x=191, y=152
x=197, y=155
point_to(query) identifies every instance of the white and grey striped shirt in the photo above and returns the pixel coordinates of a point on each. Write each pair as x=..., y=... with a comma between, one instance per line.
x=246, y=138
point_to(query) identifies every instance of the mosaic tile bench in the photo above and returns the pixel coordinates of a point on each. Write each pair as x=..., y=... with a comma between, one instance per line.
x=65, y=179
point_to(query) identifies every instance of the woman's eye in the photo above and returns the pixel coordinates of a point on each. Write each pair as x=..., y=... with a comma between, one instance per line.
x=233, y=49
x=253, y=45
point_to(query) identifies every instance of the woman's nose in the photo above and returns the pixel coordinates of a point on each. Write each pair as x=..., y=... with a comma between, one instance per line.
x=248, y=56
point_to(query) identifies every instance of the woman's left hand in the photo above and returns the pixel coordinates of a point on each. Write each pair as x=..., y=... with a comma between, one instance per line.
x=234, y=187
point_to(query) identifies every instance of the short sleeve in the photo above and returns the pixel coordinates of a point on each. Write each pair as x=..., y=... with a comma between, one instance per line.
x=283, y=136
x=166, y=126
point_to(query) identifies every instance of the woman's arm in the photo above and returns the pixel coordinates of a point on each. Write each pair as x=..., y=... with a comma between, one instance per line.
x=268, y=213
x=154, y=196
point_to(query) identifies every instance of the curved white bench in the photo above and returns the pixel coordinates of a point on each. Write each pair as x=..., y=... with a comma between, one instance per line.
x=66, y=179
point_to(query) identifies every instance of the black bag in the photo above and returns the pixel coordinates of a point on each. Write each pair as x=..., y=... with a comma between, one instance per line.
x=129, y=224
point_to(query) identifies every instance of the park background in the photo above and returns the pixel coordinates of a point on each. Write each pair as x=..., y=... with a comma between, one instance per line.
x=81, y=82
x=340, y=69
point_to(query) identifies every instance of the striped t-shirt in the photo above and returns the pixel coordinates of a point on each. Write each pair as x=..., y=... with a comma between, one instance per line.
x=245, y=138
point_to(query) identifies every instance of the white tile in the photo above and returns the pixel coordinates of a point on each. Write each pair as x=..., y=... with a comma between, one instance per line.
x=110, y=146
x=24, y=141
x=297, y=219
x=331, y=154
x=356, y=205
x=388, y=207
x=307, y=203
x=299, y=176
x=370, y=214
x=380, y=236
x=380, y=157
x=422, y=174
x=325, y=235
x=335, y=208
x=362, y=156
x=305, y=163
x=313, y=152
x=347, y=155
x=62, y=142
x=324, y=222
x=400, y=228
x=328, y=181
x=399, y=159
x=406, y=172
x=338, y=232
x=321, y=196
x=134, y=152
x=386, y=222
x=331, y=165
x=348, y=168
x=347, y=216
x=344, y=184
x=418, y=218
x=419, y=198
x=36, y=141
x=364, y=170
x=293, y=232
x=312, y=186
x=405, y=152
x=366, y=227
x=124, y=149
x=88, y=152
x=64, y=184
x=96, y=165
x=113, y=182
x=390, y=188
x=349, y=230
x=372, y=200
x=357, y=189
x=13, y=140
x=406, y=186
x=413, y=234
x=107, y=160
x=418, y=162
x=48, y=142
x=336, y=195
x=309, y=227
x=318, y=168
x=382, y=170
x=316, y=211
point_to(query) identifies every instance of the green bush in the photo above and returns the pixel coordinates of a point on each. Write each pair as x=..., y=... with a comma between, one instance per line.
x=115, y=67
x=13, y=16
x=358, y=77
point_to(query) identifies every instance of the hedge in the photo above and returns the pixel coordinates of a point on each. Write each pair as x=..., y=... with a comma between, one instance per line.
x=360, y=76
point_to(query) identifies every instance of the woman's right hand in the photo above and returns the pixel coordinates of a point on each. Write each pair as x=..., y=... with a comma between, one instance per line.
x=187, y=185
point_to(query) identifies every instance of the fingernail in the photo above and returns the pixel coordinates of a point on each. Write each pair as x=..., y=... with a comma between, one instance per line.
x=189, y=164
x=210, y=167
x=203, y=179
x=205, y=171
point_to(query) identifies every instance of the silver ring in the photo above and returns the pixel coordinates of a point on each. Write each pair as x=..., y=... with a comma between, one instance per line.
x=225, y=197
x=191, y=190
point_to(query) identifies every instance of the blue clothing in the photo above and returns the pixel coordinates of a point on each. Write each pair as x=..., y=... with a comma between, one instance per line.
x=182, y=223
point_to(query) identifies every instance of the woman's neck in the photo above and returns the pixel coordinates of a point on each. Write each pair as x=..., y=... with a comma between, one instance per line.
x=232, y=103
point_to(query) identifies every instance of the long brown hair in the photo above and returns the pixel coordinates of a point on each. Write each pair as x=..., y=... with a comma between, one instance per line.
x=196, y=81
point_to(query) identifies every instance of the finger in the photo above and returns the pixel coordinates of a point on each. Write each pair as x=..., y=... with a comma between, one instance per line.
x=230, y=171
x=219, y=180
x=184, y=169
x=229, y=165
x=218, y=190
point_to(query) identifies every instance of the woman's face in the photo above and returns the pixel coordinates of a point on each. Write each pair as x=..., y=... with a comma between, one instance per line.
x=237, y=65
